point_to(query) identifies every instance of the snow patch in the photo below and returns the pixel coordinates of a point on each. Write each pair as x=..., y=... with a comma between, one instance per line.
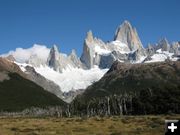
x=100, y=50
x=161, y=56
x=121, y=47
x=22, y=66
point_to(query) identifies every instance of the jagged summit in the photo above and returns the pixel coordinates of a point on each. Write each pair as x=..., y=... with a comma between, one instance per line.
x=55, y=48
x=97, y=56
x=163, y=44
x=89, y=36
x=73, y=52
x=128, y=35
x=53, y=57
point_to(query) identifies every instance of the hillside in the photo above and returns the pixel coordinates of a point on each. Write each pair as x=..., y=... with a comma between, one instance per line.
x=152, y=88
x=18, y=93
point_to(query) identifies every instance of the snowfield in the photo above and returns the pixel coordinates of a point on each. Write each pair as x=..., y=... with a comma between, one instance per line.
x=161, y=56
x=72, y=78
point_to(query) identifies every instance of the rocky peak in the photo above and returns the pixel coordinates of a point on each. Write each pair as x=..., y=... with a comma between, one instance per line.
x=53, y=57
x=54, y=49
x=150, y=49
x=89, y=36
x=73, y=56
x=128, y=35
x=163, y=44
x=175, y=48
x=73, y=52
x=88, y=51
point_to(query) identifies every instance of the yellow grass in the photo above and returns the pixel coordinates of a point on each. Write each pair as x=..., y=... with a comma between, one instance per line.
x=126, y=125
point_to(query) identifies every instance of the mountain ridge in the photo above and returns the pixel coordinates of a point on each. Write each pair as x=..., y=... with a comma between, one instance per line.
x=125, y=47
x=18, y=92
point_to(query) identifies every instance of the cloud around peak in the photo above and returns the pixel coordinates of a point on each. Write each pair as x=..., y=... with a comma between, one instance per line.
x=22, y=55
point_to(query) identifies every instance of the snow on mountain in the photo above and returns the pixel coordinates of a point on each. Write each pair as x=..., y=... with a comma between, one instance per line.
x=72, y=78
x=161, y=56
x=59, y=61
x=70, y=72
x=120, y=47
x=101, y=51
x=126, y=47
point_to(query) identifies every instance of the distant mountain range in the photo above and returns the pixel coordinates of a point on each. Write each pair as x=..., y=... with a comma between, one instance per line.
x=67, y=76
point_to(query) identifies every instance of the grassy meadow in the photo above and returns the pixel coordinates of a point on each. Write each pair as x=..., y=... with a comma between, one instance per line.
x=126, y=125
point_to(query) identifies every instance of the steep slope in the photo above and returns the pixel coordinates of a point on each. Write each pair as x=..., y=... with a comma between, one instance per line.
x=152, y=88
x=48, y=85
x=129, y=36
x=29, y=73
x=125, y=47
x=18, y=93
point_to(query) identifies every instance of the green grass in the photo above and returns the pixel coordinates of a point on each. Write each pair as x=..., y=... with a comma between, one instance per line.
x=126, y=125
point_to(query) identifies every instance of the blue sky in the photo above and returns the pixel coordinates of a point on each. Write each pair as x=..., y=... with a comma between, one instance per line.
x=65, y=22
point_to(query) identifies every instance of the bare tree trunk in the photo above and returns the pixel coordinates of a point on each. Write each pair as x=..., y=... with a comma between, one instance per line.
x=108, y=108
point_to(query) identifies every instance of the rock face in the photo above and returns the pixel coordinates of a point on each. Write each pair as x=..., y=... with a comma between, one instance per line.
x=150, y=50
x=53, y=59
x=128, y=35
x=88, y=52
x=163, y=45
x=75, y=60
x=125, y=47
x=59, y=61
x=175, y=48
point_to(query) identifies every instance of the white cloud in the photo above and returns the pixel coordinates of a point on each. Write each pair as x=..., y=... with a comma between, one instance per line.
x=22, y=55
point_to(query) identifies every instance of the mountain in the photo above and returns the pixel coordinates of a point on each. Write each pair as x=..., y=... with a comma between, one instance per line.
x=175, y=48
x=163, y=45
x=18, y=93
x=125, y=47
x=162, y=51
x=129, y=36
x=43, y=82
x=60, y=62
x=29, y=73
x=69, y=73
x=149, y=88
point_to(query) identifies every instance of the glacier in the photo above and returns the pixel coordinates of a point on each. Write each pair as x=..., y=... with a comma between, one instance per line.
x=72, y=79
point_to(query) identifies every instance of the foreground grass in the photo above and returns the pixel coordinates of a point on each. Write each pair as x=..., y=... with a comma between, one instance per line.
x=126, y=125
